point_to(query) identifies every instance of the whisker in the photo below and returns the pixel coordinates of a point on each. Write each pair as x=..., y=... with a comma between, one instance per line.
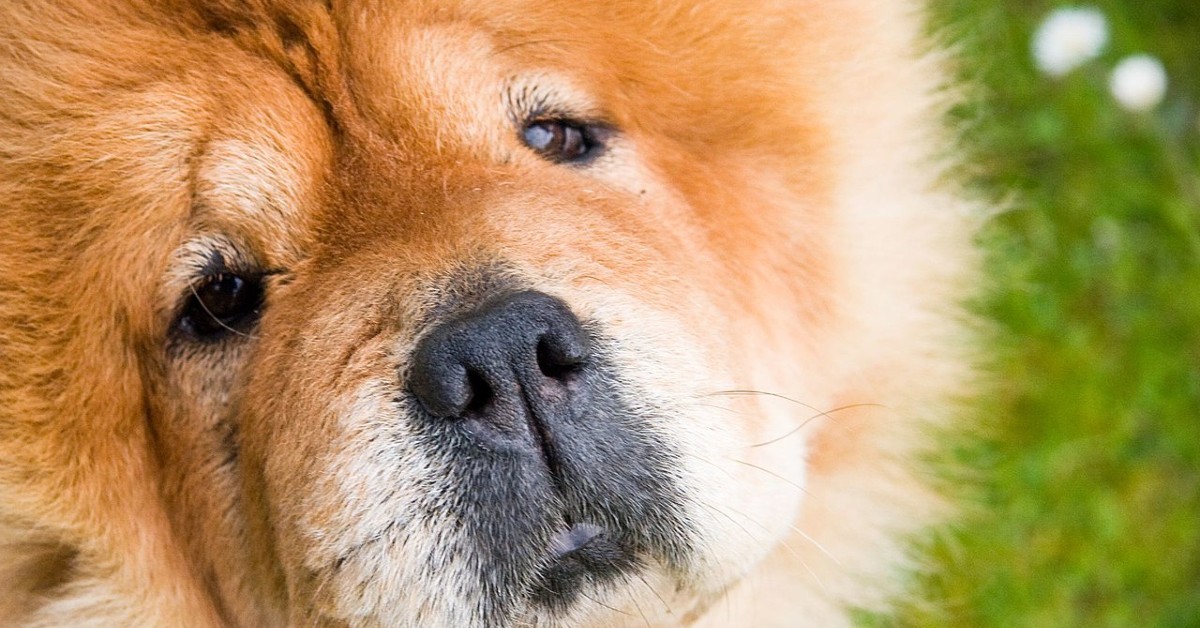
x=810, y=498
x=773, y=474
x=791, y=550
x=721, y=512
x=703, y=606
x=764, y=393
x=788, y=547
x=714, y=465
x=599, y=603
x=817, y=544
x=819, y=412
x=825, y=414
x=639, y=610
x=666, y=607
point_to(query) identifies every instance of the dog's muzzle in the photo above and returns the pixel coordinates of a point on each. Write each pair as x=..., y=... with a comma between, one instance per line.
x=556, y=481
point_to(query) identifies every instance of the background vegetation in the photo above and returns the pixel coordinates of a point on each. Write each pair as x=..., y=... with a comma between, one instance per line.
x=1084, y=489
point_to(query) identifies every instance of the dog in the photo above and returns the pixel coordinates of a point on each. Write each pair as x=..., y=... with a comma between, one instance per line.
x=470, y=313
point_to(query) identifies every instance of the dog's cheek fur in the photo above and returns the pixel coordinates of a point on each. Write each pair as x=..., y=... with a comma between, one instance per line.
x=71, y=393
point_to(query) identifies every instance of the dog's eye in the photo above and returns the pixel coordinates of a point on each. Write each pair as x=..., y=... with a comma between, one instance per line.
x=560, y=140
x=222, y=303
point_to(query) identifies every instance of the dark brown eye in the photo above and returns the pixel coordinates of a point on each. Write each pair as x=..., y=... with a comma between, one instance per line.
x=560, y=140
x=221, y=304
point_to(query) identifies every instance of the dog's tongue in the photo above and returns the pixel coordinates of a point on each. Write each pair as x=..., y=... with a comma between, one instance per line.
x=573, y=538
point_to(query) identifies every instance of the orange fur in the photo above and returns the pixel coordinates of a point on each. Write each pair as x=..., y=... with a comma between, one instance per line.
x=767, y=221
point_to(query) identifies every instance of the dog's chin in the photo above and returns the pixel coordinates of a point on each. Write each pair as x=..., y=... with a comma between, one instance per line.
x=520, y=551
x=582, y=564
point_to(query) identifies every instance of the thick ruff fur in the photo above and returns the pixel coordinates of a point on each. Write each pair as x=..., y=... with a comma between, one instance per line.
x=750, y=258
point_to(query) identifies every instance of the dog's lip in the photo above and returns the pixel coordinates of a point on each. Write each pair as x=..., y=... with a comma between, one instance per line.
x=573, y=539
x=580, y=554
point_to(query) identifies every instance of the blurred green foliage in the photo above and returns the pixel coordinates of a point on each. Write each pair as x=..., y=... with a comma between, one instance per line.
x=1082, y=488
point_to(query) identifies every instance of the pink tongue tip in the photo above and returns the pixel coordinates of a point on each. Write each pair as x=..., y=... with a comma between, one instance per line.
x=573, y=538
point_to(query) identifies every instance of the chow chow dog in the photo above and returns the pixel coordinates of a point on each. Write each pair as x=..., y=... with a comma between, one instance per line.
x=468, y=312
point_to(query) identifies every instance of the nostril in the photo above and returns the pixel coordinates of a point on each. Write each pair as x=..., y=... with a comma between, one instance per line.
x=441, y=386
x=554, y=362
x=481, y=394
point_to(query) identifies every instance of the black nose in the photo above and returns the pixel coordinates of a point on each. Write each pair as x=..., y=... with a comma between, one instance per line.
x=511, y=356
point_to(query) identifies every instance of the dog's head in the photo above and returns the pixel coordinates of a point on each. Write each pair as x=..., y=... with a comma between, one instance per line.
x=466, y=313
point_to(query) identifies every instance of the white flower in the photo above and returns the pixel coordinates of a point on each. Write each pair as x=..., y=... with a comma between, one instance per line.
x=1139, y=82
x=1068, y=38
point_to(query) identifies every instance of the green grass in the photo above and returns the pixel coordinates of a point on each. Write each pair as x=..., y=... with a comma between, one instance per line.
x=1083, y=493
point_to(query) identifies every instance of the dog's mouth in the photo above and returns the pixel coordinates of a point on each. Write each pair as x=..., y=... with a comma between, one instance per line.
x=580, y=553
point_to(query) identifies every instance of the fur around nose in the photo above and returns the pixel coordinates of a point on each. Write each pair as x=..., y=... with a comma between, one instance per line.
x=518, y=350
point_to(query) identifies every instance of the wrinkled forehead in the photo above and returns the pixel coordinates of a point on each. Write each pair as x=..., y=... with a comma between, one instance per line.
x=442, y=87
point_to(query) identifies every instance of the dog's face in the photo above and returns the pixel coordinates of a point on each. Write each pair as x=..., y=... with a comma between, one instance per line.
x=463, y=348
x=465, y=313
